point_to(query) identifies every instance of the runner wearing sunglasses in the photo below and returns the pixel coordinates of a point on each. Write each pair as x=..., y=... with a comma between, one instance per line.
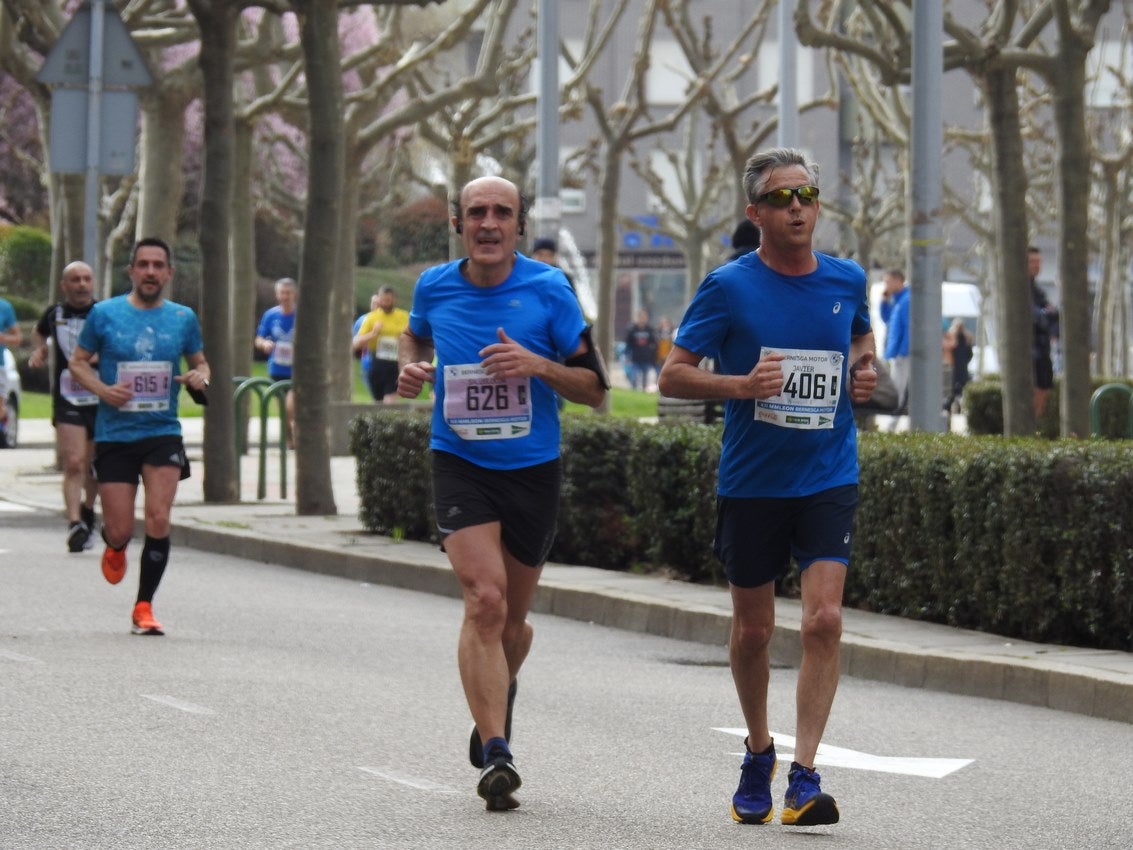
x=789, y=329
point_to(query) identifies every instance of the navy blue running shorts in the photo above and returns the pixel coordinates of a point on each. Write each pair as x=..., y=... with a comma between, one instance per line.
x=756, y=538
x=525, y=502
x=122, y=462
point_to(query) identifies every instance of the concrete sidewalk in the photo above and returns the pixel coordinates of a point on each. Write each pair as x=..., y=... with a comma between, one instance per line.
x=890, y=649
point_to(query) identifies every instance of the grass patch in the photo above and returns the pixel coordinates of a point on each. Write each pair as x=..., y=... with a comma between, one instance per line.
x=38, y=405
x=624, y=404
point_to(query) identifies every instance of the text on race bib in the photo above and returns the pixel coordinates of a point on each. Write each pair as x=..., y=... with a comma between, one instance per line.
x=479, y=407
x=812, y=384
x=150, y=381
x=74, y=392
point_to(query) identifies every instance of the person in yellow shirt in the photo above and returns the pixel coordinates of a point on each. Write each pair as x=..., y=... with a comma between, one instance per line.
x=379, y=333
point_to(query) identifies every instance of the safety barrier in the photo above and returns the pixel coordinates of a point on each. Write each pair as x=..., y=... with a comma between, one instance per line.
x=266, y=390
x=1095, y=407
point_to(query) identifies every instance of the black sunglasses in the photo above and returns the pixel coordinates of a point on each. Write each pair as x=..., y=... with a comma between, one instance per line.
x=782, y=197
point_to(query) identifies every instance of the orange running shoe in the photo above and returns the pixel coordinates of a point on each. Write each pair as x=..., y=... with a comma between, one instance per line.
x=144, y=623
x=113, y=564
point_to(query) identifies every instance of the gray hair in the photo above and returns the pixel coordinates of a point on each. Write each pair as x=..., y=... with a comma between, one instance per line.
x=757, y=172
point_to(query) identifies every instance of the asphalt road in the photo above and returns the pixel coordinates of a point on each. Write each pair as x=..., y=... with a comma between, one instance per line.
x=290, y=709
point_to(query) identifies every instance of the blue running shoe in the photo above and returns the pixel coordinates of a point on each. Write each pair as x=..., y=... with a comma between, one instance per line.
x=805, y=804
x=752, y=801
x=475, y=745
x=498, y=780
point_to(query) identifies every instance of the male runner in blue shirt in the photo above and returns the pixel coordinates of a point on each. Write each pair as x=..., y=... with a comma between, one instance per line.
x=789, y=329
x=139, y=340
x=499, y=325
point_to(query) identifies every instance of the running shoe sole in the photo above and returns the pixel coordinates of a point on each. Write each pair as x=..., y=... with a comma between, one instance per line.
x=818, y=811
x=497, y=783
x=503, y=803
x=147, y=630
x=476, y=746
x=755, y=821
x=78, y=538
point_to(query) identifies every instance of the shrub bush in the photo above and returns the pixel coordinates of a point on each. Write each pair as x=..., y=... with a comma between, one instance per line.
x=1025, y=538
x=25, y=263
x=983, y=402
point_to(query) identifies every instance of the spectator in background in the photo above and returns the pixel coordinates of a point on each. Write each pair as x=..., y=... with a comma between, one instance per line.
x=10, y=337
x=958, y=350
x=641, y=351
x=1044, y=317
x=895, y=314
x=664, y=341
x=745, y=239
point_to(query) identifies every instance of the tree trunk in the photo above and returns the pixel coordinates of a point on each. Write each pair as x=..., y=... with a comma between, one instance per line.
x=342, y=308
x=311, y=372
x=218, y=48
x=1074, y=259
x=608, y=188
x=1009, y=184
x=161, y=173
x=243, y=250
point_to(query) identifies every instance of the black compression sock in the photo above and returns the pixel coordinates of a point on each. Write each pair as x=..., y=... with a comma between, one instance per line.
x=155, y=555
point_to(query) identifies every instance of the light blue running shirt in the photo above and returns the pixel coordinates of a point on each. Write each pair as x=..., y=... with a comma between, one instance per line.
x=145, y=347
x=537, y=308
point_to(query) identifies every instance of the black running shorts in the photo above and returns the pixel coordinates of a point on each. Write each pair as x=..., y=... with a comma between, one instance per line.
x=756, y=538
x=123, y=462
x=524, y=501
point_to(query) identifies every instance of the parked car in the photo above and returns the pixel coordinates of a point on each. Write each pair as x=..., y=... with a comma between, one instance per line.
x=10, y=382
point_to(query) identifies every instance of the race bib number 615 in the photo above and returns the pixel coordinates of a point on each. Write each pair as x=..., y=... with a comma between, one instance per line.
x=150, y=381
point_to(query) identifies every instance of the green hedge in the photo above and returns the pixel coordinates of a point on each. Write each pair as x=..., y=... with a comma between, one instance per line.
x=983, y=404
x=1025, y=538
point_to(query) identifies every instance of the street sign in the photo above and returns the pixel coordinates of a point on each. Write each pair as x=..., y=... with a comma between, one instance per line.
x=68, y=63
x=118, y=129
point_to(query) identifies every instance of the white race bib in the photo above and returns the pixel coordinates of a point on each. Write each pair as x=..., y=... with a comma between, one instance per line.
x=281, y=353
x=387, y=348
x=150, y=381
x=812, y=384
x=479, y=407
x=74, y=392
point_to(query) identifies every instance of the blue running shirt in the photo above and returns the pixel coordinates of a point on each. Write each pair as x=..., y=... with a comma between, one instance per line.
x=537, y=308
x=743, y=307
x=148, y=346
x=279, y=327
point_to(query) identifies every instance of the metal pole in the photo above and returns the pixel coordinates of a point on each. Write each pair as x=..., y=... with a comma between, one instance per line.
x=788, y=69
x=91, y=254
x=926, y=385
x=548, y=210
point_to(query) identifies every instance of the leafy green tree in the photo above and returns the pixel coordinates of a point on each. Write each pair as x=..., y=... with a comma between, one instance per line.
x=25, y=263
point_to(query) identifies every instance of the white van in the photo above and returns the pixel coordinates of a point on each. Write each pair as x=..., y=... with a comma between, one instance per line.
x=957, y=300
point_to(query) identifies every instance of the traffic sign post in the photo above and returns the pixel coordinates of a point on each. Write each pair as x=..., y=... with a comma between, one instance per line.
x=94, y=111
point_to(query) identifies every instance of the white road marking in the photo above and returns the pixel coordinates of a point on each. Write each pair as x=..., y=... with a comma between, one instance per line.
x=933, y=768
x=410, y=781
x=179, y=704
x=13, y=508
x=15, y=656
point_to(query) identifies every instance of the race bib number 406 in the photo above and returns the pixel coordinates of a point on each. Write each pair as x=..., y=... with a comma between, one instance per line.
x=150, y=381
x=479, y=407
x=812, y=383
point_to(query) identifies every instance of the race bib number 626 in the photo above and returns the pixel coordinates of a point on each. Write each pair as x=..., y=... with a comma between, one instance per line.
x=480, y=407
